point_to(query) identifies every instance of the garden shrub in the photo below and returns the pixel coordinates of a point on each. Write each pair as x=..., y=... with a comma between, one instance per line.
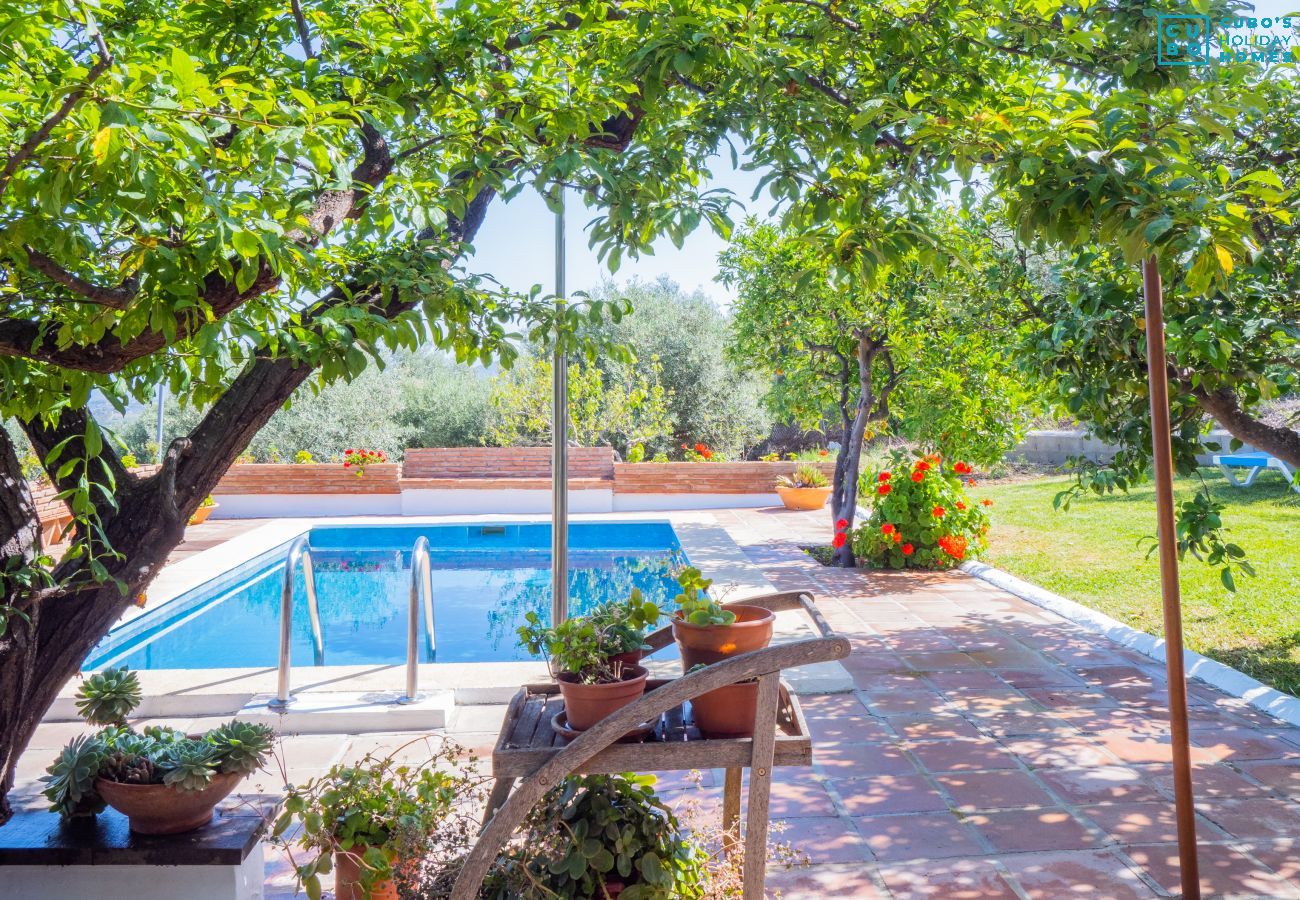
x=921, y=516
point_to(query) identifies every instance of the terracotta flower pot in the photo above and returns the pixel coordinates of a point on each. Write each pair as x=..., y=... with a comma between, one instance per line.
x=727, y=712
x=164, y=809
x=348, y=868
x=201, y=514
x=587, y=704
x=803, y=498
x=707, y=644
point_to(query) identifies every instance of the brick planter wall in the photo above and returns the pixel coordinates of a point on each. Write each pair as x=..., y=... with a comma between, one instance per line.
x=504, y=462
x=312, y=478
x=704, y=478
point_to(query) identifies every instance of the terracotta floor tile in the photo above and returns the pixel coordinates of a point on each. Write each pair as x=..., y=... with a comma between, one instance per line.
x=1262, y=817
x=1240, y=744
x=831, y=705
x=1097, y=784
x=911, y=704
x=864, y=728
x=994, y=790
x=1055, y=698
x=1051, y=750
x=821, y=881
x=1041, y=678
x=946, y=726
x=1085, y=874
x=966, y=680
x=825, y=839
x=1222, y=869
x=1283, y=857
x=962, y=755
x=1283, y=777
x=940, y=660
x=1144, y=823
x=922, y=836
x=960, y=880
x=1207, y=781
x=1021, y=830
x=888, y=794
x=846, y=759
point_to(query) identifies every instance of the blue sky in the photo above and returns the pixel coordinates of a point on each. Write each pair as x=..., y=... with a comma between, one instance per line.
x=517, y=243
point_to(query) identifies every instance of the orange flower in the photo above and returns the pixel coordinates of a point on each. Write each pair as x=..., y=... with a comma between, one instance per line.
x=960, y=505
x=898, y=537
x=970, y=482
x=886, y=528
x=961, y=468
x=918, y=476
x=922, y=466
x=987, y=502
x=883, y=489
x=938, y=512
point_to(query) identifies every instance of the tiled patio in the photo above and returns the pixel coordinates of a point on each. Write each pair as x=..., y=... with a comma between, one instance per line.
x=990, y=749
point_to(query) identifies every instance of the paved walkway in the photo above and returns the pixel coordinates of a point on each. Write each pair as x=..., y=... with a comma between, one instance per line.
x=990, y=749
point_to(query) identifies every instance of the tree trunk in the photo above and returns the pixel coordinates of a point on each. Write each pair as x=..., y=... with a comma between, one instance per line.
x=849, y=461
x=1282, y=442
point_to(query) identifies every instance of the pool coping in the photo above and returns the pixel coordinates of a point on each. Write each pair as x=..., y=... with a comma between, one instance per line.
x=215, y=692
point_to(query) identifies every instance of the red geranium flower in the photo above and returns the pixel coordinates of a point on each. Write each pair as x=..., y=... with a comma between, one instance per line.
x=898, y=537
x=954, y=545
x=700, y=448
x=922, y=466
x=970, y=482
x=347, y=465
x=938, y=512
x=839, y=539
x=961, y=468
x=961, y=505
x=824, y=452
x=883, y=489
x=349, y=451
x=886, y=528
x=918, y=475
x=987, y=502
x=907, y=549
x=883, y=476
x=841, y=524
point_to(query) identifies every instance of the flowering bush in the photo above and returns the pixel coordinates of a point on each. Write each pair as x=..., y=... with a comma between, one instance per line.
x=921, y=516
x=360, y=458
x=701, y=452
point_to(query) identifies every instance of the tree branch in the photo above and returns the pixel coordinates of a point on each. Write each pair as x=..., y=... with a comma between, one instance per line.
x=114, y=298
x=41, y=134
x=304, y=33
x=830, y=14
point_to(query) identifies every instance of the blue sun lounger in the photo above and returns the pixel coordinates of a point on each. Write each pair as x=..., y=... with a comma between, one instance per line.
x=1254, y=463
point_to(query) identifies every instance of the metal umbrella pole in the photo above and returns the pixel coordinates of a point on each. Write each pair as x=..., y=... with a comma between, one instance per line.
x=1163, y=455
x=559, y=444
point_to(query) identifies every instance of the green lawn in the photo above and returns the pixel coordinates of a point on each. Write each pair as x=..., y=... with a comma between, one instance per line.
x=1091, y=555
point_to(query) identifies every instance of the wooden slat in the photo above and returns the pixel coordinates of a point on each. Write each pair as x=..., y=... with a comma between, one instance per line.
x=760, y=786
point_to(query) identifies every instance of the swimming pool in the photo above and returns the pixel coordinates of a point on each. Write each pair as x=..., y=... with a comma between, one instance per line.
x=485, y=578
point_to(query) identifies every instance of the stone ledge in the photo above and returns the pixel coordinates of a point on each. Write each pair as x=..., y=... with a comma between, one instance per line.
x=37, y=837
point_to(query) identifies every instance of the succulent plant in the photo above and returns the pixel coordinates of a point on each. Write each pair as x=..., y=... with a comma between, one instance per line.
x=107, y=697
x=70, y=784
x=187, y=765
x=127, y=768
x=240, y=746
x=163, y=734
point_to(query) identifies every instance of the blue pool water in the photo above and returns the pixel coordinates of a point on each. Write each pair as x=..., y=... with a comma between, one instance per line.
x=485, y=578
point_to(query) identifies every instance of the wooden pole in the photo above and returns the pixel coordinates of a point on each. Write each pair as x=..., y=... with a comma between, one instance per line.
x=1163, y=454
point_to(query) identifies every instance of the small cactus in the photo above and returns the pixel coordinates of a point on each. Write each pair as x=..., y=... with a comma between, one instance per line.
x=108, y=697
x=127, y=768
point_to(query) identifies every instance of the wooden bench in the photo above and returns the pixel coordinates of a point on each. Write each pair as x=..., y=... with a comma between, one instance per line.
x=530, y=758
x=1254, y=463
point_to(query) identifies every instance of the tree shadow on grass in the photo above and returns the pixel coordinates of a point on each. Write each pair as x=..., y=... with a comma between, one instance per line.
x=1273, y=662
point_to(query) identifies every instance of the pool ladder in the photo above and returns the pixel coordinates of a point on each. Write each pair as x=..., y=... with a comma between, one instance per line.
x=299, y=550
x=421, y=588
x=421, y=583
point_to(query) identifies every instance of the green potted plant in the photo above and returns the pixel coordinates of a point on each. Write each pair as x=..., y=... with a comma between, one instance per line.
x=383, y=827
x=805, y=488
x=601, y=836
x=586, y=658
x=205, y=509
x=624, y=626
x=162, y=780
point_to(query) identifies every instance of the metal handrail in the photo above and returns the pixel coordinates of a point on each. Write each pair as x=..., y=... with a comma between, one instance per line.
x=300, y=549
x=421, y=577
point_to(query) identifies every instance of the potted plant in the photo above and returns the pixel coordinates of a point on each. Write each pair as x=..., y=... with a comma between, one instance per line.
x=806, y=488
x=624, y=626
x=601, y=836
x=205, y=509
x=708, y=632
x=584, y=655
x=162, y=780
x=381, y=824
